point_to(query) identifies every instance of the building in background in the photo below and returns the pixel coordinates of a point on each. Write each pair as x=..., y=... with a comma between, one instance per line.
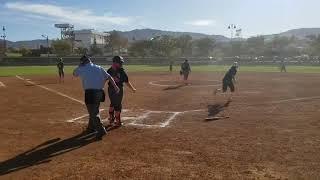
x=85, y=38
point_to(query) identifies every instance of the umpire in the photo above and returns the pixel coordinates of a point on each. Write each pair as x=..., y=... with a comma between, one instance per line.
x=93, y=79
x=185, y=70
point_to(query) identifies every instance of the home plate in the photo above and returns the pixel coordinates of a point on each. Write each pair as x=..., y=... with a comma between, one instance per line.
x=216, y=118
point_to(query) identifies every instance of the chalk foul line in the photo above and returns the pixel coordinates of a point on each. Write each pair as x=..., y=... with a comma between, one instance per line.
x=295, y=99
x=51, y=90
x=2, y=84
x=136, y=120
x=83, y=116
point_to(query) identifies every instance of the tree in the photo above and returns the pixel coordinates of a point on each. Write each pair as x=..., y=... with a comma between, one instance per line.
x=114, y=41
x=24, y=51
x=164, y=46
x=279, y=43
x=255, y=45
x=94, y=49
x=184, y=42
x=205, y=45
x=140, y=48
x=2, y=50
x=124, y=42
x=314, y=45
x=167, y=45
x=61, y=47
x=238, y=48
x=81, y=51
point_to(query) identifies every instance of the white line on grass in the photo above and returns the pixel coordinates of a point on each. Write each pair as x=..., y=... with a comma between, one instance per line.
x=51, y=90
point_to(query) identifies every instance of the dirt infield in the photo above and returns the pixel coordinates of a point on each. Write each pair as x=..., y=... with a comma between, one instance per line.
x=272, y=133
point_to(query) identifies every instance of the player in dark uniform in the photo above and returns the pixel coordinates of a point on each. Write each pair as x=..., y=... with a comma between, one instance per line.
x=185, y=70
x=120, y=76
x=229, y=80
x=60, y=66
x=283, y=67
x=171, y=66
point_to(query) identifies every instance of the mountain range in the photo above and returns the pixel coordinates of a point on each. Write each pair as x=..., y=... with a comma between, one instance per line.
x=31, y=44
x=145, y=34
x=301, y=33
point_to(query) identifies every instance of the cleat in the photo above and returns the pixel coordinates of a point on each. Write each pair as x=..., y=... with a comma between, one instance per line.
x=101, y=134
x=89, y=130
x=117, y=124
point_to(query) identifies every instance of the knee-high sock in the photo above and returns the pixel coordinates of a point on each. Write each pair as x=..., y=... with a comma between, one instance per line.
x=111, y=113
x=118, y=116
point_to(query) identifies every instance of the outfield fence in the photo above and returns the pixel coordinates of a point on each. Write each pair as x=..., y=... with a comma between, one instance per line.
x=45, y=61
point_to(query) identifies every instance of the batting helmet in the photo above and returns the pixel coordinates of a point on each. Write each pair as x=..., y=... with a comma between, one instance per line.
x=118, y=59
x=84, y=59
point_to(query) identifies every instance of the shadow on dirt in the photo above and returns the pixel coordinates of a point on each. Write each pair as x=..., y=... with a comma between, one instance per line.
x=215, y=109
x=174, y=87
x=43, y=152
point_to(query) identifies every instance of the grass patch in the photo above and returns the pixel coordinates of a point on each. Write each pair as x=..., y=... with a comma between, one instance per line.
x=49, y=70
x=14, y=54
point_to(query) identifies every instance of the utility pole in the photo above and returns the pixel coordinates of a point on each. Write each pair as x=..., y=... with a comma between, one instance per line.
x=4, y=40
x=47, y=39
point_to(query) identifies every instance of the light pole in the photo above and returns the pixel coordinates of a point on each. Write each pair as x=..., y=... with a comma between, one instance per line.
x=232, y=27
x=47, y=38
x=4, y=40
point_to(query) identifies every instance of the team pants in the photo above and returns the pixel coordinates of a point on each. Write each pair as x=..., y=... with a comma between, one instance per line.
x=185, y=75
x=61, y=73
x=226, y=84
x=93, y=98
x=115, y=104
x=115, y=98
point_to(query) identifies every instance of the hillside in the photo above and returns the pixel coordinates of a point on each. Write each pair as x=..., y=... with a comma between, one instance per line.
x=301, y=33
x=144, y=34
x=33, y=44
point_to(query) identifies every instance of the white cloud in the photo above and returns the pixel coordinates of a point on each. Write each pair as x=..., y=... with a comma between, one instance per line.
x=201, y=22
x=59, y=14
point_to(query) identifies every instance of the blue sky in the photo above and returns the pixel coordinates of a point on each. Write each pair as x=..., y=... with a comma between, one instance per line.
x=28, y=19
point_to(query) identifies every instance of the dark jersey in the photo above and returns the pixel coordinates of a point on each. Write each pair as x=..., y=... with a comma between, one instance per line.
x=119, y=76
x=60, y=65
x=230, y=74
x=185, y=67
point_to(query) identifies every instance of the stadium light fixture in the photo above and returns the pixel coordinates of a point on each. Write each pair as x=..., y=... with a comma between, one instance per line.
x=231, y=28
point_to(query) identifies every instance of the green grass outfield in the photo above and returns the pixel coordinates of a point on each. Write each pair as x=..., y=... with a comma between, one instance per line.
x=47, y=70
